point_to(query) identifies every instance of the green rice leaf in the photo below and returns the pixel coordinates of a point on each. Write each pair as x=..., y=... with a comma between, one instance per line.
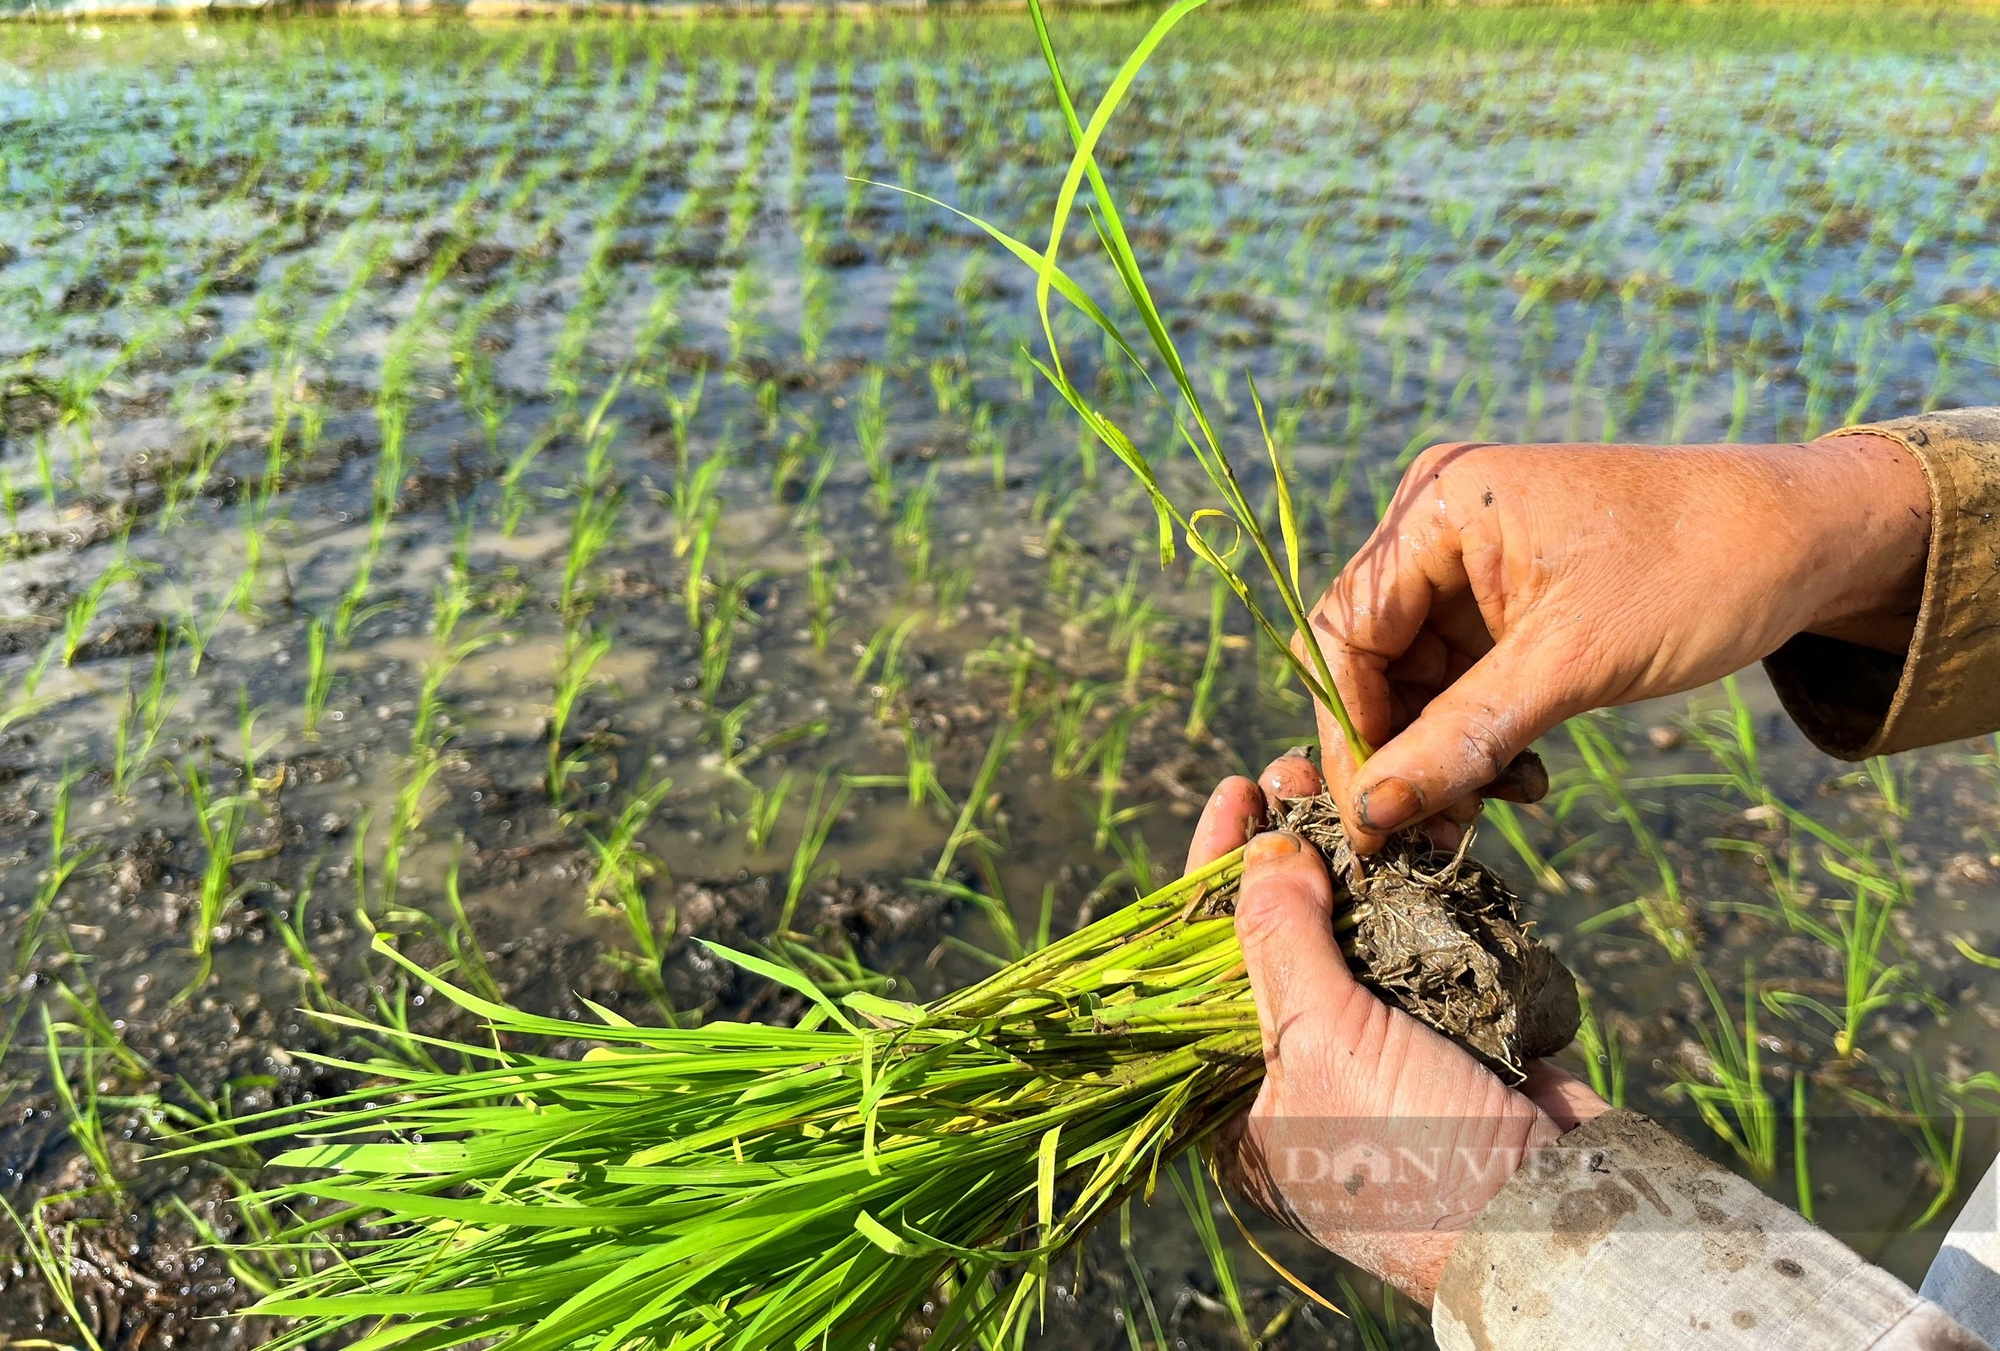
x=1045, y=1182
x=785, y=976
x=1288, y=521
x=884, y=1238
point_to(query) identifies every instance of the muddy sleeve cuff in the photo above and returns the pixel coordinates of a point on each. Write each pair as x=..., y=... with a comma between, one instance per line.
x=1854, y=701
x=1620, y=1235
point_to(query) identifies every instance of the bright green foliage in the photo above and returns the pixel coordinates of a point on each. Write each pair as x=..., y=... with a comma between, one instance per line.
x=741, y=1185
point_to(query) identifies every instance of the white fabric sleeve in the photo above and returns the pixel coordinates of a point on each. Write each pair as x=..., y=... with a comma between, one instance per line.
x=1964, y=1279
x=1620, y=1238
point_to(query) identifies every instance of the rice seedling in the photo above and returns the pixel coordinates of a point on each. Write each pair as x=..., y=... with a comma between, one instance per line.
x=1069, y=717
x=1201, y=705
x=220, y=821
x=681, y=409
x=739, y=752
x=141, y=719
x=882, y=658
x=46, y=473
x=1384, y=1334
x=1862, y=926
x=65, y=858
x=761, y=817
x=1801, y=1158
x=1733, y=1101
x=1941, y=1148
x=873, y=1224
x=914, y=529
x=979, y=799
x=951, y=385
x=718, y=632
x=77, y=618
x=592, y=529
x=1603, y=1053
x=1135, y=858
x=472, y=368
x=1888, y=779
x=816, y=311
x=513, y=495
x=871, y=433
x=1193, y=1193
x=617, y=886
x=291, y=930
x=86, y=1122
x=25, y=699
x=746, y=327
x=575, y=675
x=1109, y=753
x=1664, y=914
x=1139, y=1283
x=697, y=584
x=54, y=1258
x=319, y=676
x=695, y=504
x=949, y=589
x=822, y=814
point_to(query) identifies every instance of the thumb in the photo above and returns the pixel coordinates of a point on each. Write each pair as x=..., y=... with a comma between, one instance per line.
x=1459, y=744
x=1284, y=922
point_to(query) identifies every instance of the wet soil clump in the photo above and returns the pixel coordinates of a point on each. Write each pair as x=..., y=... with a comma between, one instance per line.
x=1442, y=938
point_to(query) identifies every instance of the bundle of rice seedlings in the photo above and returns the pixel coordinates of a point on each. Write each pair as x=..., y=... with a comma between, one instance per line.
x=745, y=1185
x=882, y=1168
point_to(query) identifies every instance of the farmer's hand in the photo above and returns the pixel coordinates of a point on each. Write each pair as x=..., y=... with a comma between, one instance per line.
x=1372, y=1135
x=1510, y=587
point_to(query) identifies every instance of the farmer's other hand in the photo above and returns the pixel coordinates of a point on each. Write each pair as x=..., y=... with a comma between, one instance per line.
x=1372, y=1135
x=1510, y=587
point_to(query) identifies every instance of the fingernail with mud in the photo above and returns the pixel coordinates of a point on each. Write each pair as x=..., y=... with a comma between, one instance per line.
x=1269, y=847
x=1388, y=804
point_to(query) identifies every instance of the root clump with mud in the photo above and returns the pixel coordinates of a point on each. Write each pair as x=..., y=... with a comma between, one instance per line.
x=1441, y=937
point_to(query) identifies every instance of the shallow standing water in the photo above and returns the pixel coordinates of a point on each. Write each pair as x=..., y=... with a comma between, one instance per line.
x=528, y=427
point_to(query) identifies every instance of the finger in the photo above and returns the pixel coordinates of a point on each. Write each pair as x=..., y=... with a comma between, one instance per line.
x=1525, y=779
x=1291, y=775
x=1462, y=740
x=1284, y=923
x=1448, y=828
x=1445, y=835
x=1568, y=1100
x=1426, y=663
x=1234, y=812
x=1462, y=812
x=1374, y=612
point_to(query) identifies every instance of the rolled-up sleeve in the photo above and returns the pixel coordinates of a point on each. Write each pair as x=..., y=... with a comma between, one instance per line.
x=1620, y=1236
x=1854, y=701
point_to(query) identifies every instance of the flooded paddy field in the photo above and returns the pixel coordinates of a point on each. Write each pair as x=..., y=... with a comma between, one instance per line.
x=539, y=494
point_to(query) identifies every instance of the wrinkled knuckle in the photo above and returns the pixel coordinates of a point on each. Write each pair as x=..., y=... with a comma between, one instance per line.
x=1333, y=618
x=1485, y=748
x=1272, y=904
x=1258, y=916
